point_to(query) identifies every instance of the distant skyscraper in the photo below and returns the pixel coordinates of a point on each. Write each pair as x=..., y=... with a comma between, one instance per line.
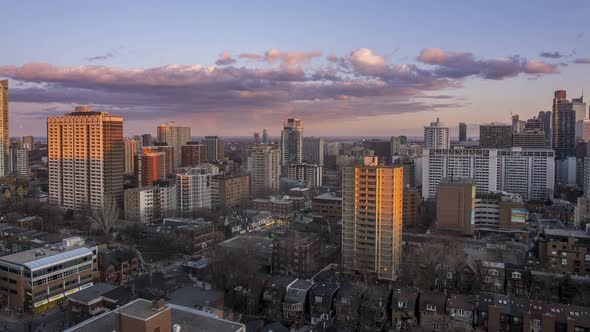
x=193, y=191
x=131, y=148
x=264, y=164
x=4, y=140
x=395, y=143
x=86, y=153
x=545, y=117
x=579, y=107
x=256, y=138
x=563, y=124
x=495, y=136
x=313, y=150
x=371, y=241
x=28, y=143
x=308, y=174
x=19, y=162
x=437, y=136
x=515, y=123
x=214, y=148
x=462, y=132
x=265, y=136
x=175, y=136
x=151, y=168
x=292, y=143
x=193, y=154
x=167, y=162
x=147, y=140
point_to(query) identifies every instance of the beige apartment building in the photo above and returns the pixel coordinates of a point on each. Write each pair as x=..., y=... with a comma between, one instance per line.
x=4, y=139
x=86, y=153
x=372, y=199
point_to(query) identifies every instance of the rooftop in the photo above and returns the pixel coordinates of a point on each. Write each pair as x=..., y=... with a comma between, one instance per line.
x=187, y=318
x=41, y=257
x=566, y=232
x=330, y=196
x=91, y=293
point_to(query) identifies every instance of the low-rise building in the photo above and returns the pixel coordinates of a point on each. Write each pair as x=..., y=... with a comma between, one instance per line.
x=230, y=191
x=296, y=299
x=296, y=254
x=148, y=316
x=374, y=308
x=116, y=265
x=321, y=302
x=455, y=205
x=327, y=205
x=404, y=308
x=277, y=206
x=518, y=280
x=95, y=300
x=347, y=305
x=492, y=277
x=565, y=251
x=150, y=204
x=197, y=234
x=432, y=311
x=461, y=312
x=40, y=278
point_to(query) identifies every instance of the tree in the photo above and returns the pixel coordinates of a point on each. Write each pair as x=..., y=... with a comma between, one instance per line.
x=106, y=217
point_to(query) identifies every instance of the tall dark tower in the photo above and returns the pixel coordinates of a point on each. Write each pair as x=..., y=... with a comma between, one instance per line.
x=563, y=124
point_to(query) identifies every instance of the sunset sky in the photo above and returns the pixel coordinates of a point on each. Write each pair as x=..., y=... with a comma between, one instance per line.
x=344, y=67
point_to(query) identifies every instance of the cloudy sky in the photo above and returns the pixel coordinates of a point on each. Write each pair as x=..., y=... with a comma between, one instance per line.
x=344, y=67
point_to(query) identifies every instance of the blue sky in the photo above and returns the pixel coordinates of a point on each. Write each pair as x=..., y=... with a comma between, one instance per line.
x=152, y=34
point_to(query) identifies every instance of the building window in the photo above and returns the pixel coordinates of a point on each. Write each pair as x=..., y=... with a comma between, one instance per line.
x=564, y=261
x=515, y=275
x=430, y=307
x=401, y=304
x=536, y=323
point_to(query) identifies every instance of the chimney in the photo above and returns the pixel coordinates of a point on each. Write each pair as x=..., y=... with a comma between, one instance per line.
x=158, y=304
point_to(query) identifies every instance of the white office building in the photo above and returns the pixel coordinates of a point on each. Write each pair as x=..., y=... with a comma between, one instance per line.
x=527, y=172
x=193, y=190
x=437, y=136
x=150, y=204
x=308, y=174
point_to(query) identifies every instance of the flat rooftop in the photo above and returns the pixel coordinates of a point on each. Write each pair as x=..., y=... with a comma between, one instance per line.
x=329, y=196
x=91, y=293
x=140, y=308
x=38, y=257
x=189, y=319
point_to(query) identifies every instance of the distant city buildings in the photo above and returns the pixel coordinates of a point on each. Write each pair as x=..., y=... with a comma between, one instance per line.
x=462, y=132
x=86, y=153
x=150, y=204
x=437, y=136
x=291, y=143
x=309, y=174
x=563, y=124
x=313, y=150
x=193, y=193
x=265, y=168
x=131, y=149
x=214, y=148
x=193, y=154
x=175, y=136
x=495, y=136
x=527, y=172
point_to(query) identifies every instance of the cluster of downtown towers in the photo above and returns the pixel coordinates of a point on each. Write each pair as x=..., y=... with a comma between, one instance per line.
x=88, y=157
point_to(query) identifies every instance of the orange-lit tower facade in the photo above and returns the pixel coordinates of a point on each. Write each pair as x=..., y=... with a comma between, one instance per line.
x=372, y=205
x=86, y=153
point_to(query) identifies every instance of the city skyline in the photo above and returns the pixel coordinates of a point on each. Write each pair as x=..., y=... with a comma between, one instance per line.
x=232, y=74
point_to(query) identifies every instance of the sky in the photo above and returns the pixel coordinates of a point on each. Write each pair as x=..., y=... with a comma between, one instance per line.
x=346, y=68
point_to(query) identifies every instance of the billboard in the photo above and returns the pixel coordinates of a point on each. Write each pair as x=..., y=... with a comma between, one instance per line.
x=517, y=215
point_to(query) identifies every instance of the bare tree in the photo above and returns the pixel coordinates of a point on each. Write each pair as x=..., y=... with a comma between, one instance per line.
x=105, y=217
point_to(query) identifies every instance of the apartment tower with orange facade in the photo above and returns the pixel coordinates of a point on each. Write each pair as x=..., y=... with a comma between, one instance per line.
x=372, y=199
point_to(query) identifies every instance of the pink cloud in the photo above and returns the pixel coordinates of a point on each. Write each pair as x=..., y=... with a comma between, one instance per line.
x=225, y=59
